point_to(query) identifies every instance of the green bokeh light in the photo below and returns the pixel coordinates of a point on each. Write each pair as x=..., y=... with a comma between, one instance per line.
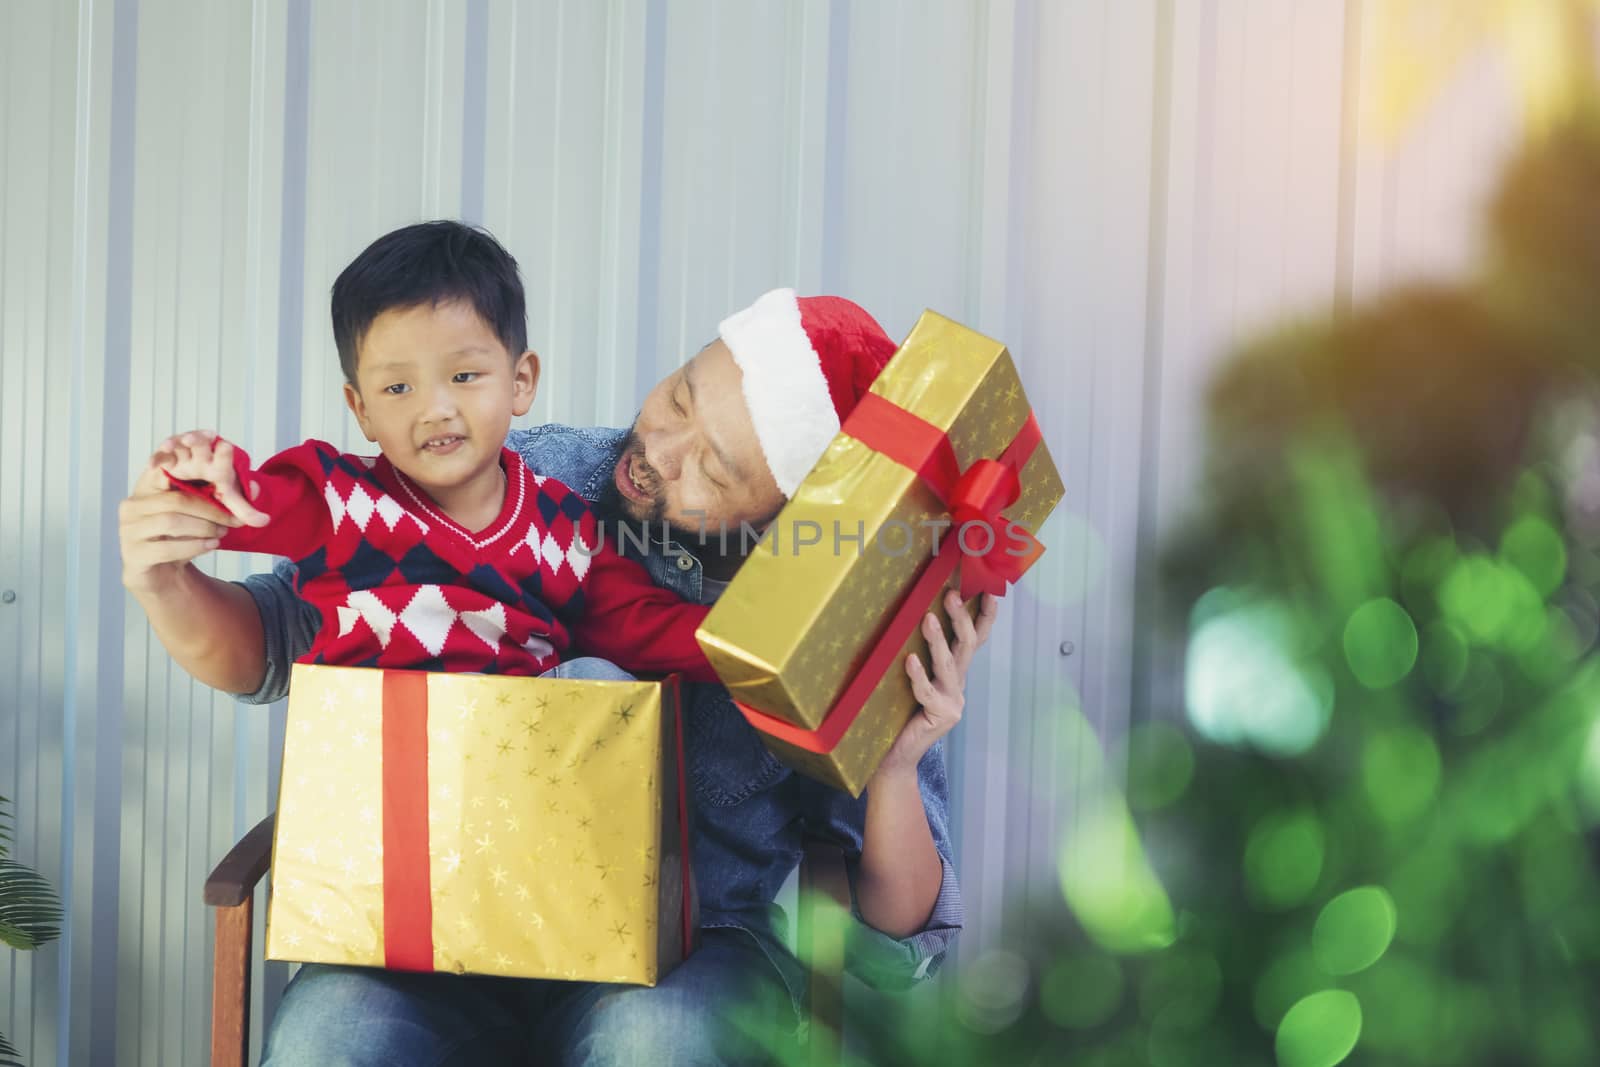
x=1353, y=930
x=992, y=991
x=1160, y=766
x=1380, y=643
x=1492, y=604
x=1292, y=975
x=1081, y=991
x=1283, y=858
x=1533, y=547
x=1320, y=1030
x=1547, y=661
x=1589, y=776
x=1110, y=885
x=1245, y=684
x=1400, y=772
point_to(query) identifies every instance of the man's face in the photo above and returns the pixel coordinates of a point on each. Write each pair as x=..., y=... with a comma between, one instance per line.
x=692, y=457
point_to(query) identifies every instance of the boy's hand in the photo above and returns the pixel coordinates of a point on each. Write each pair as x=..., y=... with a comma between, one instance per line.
x=161, y=530
x=198, y=456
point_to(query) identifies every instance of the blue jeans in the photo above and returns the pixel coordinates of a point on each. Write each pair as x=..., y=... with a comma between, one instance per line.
x=354, y=1016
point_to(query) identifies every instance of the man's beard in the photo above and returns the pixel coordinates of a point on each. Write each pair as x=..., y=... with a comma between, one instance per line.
x=616, y=510
x=706, y=539
x=613, y=506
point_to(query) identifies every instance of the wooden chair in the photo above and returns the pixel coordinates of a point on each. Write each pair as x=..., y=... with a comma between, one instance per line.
x=230, y=889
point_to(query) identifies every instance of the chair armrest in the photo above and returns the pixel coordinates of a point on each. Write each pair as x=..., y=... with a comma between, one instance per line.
x=233, y=880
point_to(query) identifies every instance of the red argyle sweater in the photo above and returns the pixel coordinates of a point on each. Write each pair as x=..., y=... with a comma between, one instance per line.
x=401, y=585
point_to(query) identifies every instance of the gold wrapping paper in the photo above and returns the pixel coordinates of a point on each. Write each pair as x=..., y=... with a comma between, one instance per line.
x=794, y=625
x=553, y=827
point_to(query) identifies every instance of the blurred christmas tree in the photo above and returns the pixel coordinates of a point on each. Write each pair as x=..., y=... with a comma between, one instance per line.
x=1369, y=834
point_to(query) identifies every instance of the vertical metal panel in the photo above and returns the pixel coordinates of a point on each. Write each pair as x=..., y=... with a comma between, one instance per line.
x=976, y=756
x=1253, y=195
x=720, y=241
x=909, y=158
x=271, y=114
x=1082, y=316
x=1419, y=198
x=1096, y=183
x=36, y=112
x=563, y=155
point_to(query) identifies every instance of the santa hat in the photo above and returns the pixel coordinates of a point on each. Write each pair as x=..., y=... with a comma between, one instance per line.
x=806, y=361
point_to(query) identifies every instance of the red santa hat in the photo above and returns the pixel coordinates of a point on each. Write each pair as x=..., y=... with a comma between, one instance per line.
x=806, y=361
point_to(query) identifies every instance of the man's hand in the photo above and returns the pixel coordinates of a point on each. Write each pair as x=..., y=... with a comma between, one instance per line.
x=944, y=695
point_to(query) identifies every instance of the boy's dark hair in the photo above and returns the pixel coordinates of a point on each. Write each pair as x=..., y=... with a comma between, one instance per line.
x=429, y=263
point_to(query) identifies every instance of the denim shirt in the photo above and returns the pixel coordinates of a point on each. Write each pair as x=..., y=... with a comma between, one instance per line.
x=750, y=813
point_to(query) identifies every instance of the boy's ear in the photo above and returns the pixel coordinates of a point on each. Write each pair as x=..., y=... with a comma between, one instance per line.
x=358, y=408
x=524, y=382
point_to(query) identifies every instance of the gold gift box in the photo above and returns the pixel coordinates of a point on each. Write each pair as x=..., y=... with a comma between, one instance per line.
x=553, y=837
x=795, y=624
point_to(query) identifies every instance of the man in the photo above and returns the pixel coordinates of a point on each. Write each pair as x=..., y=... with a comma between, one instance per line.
x=720, y=442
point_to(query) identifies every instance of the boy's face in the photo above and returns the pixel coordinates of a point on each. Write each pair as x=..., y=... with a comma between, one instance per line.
x=436, y=389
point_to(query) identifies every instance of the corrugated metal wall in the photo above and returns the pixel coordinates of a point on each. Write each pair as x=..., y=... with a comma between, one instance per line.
x=1113, y=187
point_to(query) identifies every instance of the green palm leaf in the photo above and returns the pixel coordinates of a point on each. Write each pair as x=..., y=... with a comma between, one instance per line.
x=30, y=915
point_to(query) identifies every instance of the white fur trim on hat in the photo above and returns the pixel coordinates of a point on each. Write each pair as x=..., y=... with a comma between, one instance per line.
x=784, y=386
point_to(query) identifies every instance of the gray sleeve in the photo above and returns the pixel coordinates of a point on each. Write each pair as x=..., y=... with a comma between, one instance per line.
x=288, y=624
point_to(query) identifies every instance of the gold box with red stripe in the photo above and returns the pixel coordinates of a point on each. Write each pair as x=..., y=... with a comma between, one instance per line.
x=938, y=479
x=479, y=824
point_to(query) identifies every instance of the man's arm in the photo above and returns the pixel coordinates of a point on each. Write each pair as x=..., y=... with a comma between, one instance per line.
x=904, y=884
x=901, y=870
x=289, y=625
x=210, y=627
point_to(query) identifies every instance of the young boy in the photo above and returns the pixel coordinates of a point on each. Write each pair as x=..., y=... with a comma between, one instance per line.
x=444, y=552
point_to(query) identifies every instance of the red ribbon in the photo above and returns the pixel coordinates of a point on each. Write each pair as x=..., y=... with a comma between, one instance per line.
x=683, y=817
x=976, y=495
x=407, y=883
x=407, y=878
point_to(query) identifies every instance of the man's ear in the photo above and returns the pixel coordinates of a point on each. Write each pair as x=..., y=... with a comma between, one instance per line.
x=358, y=408
x=524, y=382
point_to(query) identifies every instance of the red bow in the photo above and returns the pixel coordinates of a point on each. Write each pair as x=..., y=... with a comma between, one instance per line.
x=995, y=551
x=984, y=490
